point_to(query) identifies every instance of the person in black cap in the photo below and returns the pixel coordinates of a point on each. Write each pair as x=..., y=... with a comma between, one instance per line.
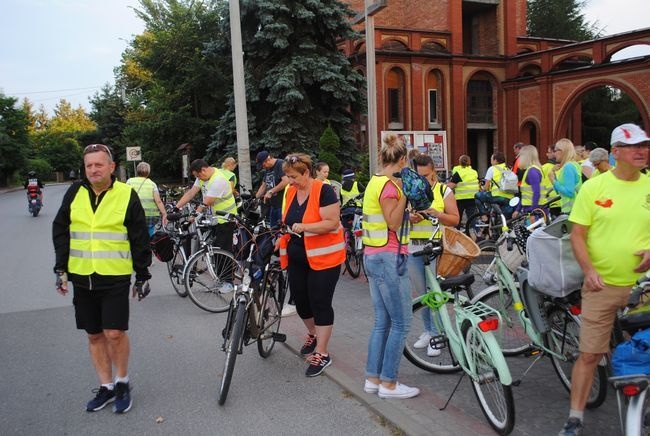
x=272, y=185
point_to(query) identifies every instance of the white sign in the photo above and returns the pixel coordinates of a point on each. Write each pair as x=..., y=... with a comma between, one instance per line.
x=133, y=154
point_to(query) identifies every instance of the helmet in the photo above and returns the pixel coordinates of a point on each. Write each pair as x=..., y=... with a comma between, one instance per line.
x=32, y=174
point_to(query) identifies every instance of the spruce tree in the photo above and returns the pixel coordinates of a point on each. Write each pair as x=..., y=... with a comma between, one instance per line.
x=330, y=145
x=297, y=81
x=559, y=19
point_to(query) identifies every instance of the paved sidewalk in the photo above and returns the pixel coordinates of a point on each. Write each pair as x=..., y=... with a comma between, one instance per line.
x=541, y=403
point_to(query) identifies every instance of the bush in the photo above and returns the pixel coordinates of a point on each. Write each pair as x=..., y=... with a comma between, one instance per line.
x=41, y=166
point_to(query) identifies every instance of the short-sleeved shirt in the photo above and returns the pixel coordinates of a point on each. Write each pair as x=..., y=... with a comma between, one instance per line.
x=296, y=211
x=617, y=213
x=272, y=177
x=389, y=191
x=219, y=188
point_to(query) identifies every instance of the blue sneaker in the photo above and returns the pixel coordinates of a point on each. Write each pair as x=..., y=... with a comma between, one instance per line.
x=573, y=427
x=123, y=401
x=103, y=397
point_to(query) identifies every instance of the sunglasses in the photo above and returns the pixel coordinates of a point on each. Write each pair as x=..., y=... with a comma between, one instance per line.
x=92, y=148
x=293, y=159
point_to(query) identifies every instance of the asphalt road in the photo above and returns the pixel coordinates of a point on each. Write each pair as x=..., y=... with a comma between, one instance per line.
x=47, y=376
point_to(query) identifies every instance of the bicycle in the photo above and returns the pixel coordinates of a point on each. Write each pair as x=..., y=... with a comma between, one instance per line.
x=536, y=323
x=351, y=216
x=466, y=333
x=255, y=311
x=632, y=390
x=485, y=225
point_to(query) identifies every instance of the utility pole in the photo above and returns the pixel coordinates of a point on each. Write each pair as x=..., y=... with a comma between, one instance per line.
x=239, y=87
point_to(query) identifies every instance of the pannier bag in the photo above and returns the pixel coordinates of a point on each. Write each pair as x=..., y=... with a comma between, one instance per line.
x=553, y=269
x=633, y=356
x=162, y=246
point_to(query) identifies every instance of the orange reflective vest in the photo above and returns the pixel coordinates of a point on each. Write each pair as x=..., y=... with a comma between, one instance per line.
x=323, y=251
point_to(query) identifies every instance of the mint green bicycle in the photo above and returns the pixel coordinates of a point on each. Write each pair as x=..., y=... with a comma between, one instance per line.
x=465, y=342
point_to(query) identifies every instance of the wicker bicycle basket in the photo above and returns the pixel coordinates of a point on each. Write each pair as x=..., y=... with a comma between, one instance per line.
x=458, y=252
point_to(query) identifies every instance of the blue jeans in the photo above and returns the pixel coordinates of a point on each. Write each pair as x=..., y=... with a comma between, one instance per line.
x=418, y=285
x=275, y=216
x=391, y=299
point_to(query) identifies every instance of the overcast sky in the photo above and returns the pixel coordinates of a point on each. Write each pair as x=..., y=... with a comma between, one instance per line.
x=53, y=49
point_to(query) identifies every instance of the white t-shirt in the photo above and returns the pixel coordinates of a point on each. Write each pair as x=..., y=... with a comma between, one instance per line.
x=489, y=174
x=219, y=188
x=587, y=163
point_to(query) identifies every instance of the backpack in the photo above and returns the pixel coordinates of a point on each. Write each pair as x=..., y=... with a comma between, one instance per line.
x=416, y=188
x=509, y=182
x=162, y=246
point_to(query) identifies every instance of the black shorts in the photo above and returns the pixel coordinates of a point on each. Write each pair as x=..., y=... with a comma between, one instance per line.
x=96, y=311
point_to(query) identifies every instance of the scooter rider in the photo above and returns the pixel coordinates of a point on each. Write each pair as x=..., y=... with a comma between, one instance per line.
x=34, y=183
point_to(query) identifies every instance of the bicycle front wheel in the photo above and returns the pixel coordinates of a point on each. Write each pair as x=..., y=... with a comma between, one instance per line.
x=175, y=270
x=233, y=344
x=443, y=363
x=494, y=397
x=271, y=312
x=511, y=336
x=210, y=278
x=564, y=339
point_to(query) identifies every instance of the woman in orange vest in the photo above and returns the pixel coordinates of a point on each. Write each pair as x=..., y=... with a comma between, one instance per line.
x=314, y=260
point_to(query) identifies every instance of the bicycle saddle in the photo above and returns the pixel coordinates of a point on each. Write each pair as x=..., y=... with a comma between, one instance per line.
x=453, y=283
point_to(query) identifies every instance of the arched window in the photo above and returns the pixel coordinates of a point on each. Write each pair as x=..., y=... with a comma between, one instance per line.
x=395, y=95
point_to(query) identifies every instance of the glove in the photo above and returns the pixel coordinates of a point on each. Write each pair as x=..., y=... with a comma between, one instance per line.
x=141, y=289
x=61, y=283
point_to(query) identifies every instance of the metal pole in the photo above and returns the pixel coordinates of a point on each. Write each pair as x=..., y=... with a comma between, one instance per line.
x=371, y=87
x=239, y=88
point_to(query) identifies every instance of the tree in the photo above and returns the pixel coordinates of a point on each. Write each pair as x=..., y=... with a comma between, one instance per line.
x=330, y=144
x=560, y=19
x=14, y=140
x=297, y=81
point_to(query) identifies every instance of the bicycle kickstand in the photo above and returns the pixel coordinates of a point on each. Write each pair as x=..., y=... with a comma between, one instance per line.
x=453, y=392
x=539, y=354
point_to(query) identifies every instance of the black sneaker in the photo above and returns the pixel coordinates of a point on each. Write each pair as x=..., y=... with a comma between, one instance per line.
x=573, y=427
x=123, y=401
x=103, y=397
x=309, y=346
x=317, y=364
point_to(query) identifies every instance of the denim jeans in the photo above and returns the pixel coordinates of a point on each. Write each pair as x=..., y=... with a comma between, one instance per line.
x=418, y=285
x=391, y=299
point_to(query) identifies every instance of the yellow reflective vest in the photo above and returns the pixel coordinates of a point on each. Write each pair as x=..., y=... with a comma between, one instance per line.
x=424, y=229
x=144, y=188
x=527, y=190
x=353, y=192
x=223, y=204
x=468, y=187
x=373, y=224
x=99, y=241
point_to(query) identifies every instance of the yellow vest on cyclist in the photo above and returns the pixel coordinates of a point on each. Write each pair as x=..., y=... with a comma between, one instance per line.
x=468, y=187
x=225, y=204
x=353, y=192
x=375, y=227
x=99, y=241
x=496, y=179
x=144, y=188
x=527, y=190
x=424, y=229
x=547, y=186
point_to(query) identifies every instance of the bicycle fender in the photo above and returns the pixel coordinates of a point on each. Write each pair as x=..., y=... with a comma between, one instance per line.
x=498, y=360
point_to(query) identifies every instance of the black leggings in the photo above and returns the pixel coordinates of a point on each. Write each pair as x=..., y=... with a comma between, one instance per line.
x=311, y=290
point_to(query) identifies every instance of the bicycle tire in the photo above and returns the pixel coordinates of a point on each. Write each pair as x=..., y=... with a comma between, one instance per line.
x=442, y=364
x=635, y=417
x=233, y=344
x=207, y=277
x=353, y=264
x=512, y=336
x=494, y=398
x=564, y=339
x=271, y=313
x=175, y=270
x=479, y=228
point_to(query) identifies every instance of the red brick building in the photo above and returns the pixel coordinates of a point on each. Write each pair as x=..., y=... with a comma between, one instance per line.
x=468, y=67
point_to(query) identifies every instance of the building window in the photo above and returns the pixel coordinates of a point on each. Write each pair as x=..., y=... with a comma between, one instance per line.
x=395, y=99
x=433, y=107
x=479, y=102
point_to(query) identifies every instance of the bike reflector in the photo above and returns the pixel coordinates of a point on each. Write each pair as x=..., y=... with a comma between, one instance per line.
x=358, y=233
x=489, y=324
x=575, y=309
x=631, y=390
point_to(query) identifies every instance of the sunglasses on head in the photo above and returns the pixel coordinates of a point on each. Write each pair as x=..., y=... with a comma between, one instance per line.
x=92, y=148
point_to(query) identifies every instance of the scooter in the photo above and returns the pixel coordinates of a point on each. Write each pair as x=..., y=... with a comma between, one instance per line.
x=34, y=203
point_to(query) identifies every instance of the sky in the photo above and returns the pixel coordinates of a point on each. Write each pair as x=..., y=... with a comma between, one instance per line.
x=53, y=49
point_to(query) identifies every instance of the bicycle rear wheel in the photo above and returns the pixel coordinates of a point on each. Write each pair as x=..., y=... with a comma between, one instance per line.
x=443, y=364
x=210, y=279
x=564, y=339
x=353, y=263
x=494, y=397
x=233, y=345
x=512, y=336
x=271, y=313
x=175, y=270
x=478, y=227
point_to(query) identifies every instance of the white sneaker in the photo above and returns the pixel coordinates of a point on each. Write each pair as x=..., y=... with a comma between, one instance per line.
x=433, y=352
x=288, y=310
x=400, y=391
x=370, y=387
x=423, y=340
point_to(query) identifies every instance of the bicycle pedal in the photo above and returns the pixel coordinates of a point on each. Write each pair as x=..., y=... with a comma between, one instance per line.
x=279, y=337
x=533, y=352
x=438, y=342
